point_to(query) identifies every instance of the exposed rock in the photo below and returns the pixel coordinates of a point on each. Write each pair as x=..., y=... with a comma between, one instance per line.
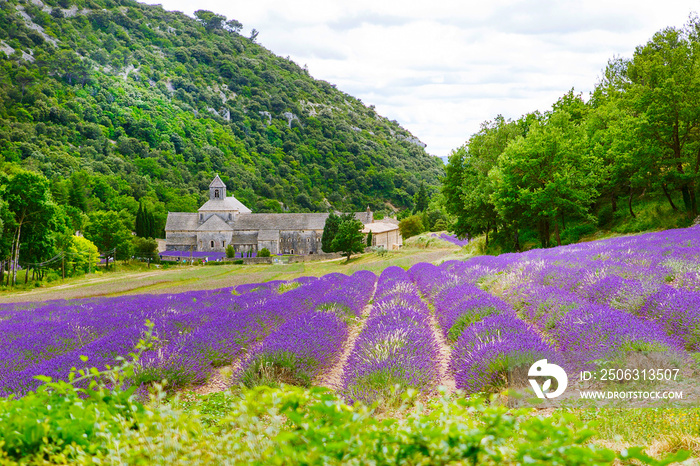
x=32, y=25
x=268, y=115
x=413, y=140
x=27, y=56
x=6, y=48
x=290, y=117
x=129, y=69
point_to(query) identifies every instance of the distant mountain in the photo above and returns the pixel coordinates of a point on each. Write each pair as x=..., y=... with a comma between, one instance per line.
x=118, y=102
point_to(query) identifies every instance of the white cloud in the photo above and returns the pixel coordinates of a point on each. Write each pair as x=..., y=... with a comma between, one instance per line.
x=441, y=68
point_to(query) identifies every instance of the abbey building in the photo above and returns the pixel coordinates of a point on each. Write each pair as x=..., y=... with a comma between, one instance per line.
x=224, y=221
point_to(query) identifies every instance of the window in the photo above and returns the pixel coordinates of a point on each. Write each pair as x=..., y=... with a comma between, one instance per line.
x=201, y=217
x=216, y=193
x=308, y=240
x=223, y=244
x=212, y=244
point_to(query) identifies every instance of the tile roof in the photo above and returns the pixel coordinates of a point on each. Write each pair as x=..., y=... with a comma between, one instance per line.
x=181, y=221
x=217, y=183
x=223, y=205
x=215, y=223
x=379, y=227
x=268, y=235
x=245, y=238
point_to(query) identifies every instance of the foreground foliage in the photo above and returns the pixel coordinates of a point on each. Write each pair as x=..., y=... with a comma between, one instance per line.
x=287, y=425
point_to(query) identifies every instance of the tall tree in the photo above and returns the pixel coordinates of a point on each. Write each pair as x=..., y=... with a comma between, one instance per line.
x=29, y=200
x=109, y=233
x=331, y=228
x=139, y=227
x=548, y=174
x=420, y=200
x=349, y=239
x=664, y=92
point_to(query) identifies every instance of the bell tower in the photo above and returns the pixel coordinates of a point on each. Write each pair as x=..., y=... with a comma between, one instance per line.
x=217, y=189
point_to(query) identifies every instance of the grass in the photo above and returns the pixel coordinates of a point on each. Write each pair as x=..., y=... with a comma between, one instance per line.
x=135, y=278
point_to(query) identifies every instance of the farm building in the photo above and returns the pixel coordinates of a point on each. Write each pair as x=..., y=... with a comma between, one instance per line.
x=224, y=221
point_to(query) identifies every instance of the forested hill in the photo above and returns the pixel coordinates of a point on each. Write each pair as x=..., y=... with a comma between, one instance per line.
x=117, y=103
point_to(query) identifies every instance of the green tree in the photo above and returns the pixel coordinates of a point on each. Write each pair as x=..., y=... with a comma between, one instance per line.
x=349, y=238
x=420, y=200
x=29, y=201
x=411, y=226
x=76, y=191
x=664, y=92
x=234, y=26
x=82, y=254
x=264, y=252
x=139, y=226
x=369, y=239
x=210, y=20
x=547, y=175
x=230, y=251
x=109, y=233
x=145, y=249
x=331, y=228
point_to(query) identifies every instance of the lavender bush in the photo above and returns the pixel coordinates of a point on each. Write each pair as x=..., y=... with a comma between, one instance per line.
x=396, y=347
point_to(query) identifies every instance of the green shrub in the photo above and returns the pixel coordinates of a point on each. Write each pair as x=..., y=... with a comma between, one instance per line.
x=230, y=251
x=264, y=252
x=411, y=226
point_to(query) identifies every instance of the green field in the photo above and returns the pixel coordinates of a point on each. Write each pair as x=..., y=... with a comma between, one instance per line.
x=135, y=278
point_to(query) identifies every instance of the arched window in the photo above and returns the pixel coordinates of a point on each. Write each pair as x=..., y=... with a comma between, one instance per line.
x=223, y=244
x=216, y=193
x=212, y=243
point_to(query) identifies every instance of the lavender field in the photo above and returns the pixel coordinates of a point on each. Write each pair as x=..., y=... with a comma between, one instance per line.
x=465, y=324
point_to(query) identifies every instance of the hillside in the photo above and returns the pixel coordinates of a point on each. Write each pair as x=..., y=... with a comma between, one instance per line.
x=118, y=103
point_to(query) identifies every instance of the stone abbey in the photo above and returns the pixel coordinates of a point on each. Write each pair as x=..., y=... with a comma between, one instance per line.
x=224, y=221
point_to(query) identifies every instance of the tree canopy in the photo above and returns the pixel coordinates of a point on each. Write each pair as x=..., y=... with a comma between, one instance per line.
x=636, y=138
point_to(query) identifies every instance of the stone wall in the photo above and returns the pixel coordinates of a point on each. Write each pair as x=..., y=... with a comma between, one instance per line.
x=315, y=257
x=220, y=239
x=251, y=260
x=300, y=242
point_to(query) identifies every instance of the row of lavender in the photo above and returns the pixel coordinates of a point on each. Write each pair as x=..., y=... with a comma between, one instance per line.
x=395, y=346
x=312, y=340
x=488, y=339
x=196, y=331
x=575, y=305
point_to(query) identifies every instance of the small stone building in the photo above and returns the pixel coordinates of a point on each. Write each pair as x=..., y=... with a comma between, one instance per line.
x=385, y=234
x=224, y=221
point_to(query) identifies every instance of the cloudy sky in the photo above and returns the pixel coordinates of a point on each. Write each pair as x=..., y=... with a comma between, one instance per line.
x=442, y=67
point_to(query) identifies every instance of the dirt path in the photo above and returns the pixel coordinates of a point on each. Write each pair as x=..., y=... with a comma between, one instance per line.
x=446, y=378
x=333, y=378
x=221, y=380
